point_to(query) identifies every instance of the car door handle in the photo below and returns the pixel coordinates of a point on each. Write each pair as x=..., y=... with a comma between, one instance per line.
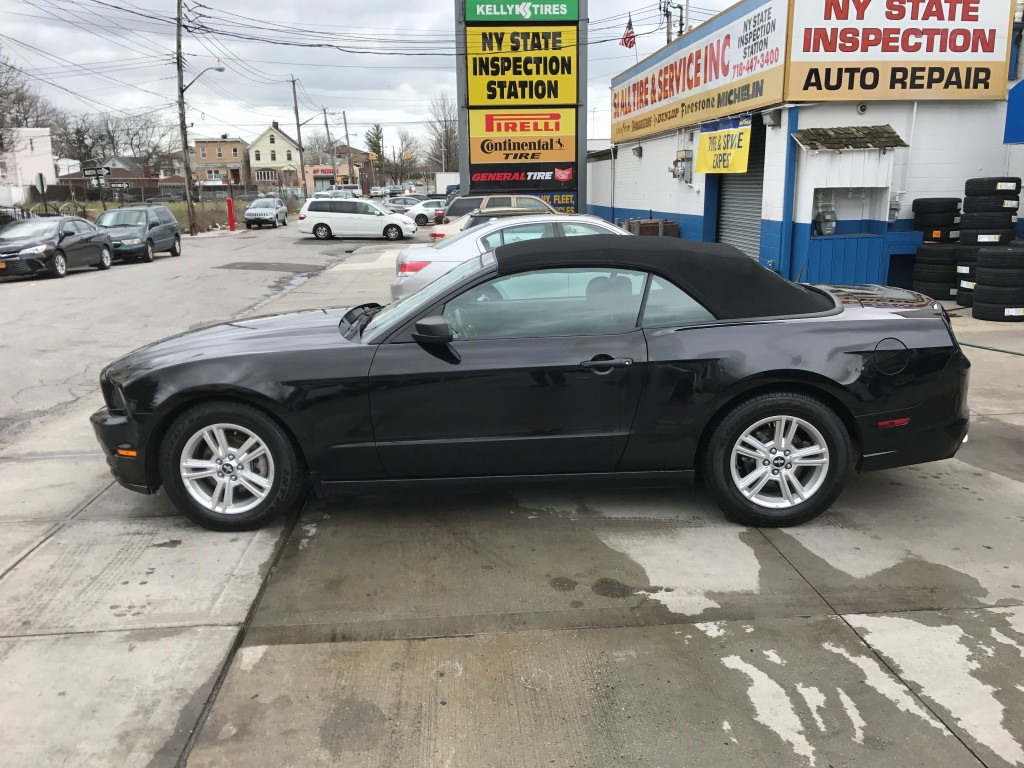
x=606, y=364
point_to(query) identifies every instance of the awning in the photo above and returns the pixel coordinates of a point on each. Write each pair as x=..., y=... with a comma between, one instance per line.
x=881, y=137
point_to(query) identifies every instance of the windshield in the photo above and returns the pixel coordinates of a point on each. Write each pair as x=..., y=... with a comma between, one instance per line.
x=394, y=314
x=121, y=219
x=263, y=204
x=19, y=230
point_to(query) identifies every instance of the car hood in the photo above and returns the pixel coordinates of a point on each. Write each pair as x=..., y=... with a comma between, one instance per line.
x=257, y=335
x=123, y=233
x=13, y=246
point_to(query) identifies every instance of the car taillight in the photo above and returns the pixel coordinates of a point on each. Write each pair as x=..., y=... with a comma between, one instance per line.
x=412, y=267
x=302, y=216
x=436, y=235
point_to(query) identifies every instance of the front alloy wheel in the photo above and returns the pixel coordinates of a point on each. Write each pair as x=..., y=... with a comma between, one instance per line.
x=230, y=467
x=148, y=254
x=777, y=459
x=104, y=259
x=59, y=265
x=392, y=232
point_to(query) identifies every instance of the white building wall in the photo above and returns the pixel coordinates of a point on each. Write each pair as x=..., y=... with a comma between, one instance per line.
x=775, y=141
x=645, y=187
x=31, y=155
x=599, y=185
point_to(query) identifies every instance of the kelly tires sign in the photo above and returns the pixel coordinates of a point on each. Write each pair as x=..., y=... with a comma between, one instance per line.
x=844, y=50
x=733, y=63
x=514, y=11
x=522, y=135
x=724, y=146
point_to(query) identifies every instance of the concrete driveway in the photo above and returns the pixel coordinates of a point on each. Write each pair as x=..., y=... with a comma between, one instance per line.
x=576, y=626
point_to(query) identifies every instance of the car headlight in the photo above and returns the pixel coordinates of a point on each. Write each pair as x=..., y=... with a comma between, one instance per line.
x=134, y=241
x=33, y=249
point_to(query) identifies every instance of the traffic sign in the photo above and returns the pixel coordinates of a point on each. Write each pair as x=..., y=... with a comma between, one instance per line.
x=41, y=183
x=104, y=171
x=119, y=185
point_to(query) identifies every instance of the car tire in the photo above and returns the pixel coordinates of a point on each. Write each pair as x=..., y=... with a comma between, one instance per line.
x=58, y=265
x=148, y=256
x=989, y=220
x=421, y=220
x=928, y=220
x=1007, y=278
x=986, y=236
x=940, y=291
x=248, y=225
x=393, y=232
x=1000, y=204
x=281, y=482
x=284, y=220
x=933, y=273
x=176, y=248
x=992, y=186
x=967, y=254
x=1001, y=257
x=322, y=232
x=936, y=205
x=105, y=259
x=810, y=427
x=1008, y=296
x=965, y=297
x=941, y=235
x=276, y=223
x=997, y=312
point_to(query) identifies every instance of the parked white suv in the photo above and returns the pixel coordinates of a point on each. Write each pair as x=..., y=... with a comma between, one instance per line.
x=325, y=219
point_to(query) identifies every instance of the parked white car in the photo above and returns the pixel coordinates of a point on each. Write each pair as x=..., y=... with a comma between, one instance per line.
x=418, y=266
x=325, y=219
x=423, y=212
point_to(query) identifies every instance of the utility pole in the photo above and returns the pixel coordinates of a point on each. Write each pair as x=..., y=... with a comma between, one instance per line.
x=348, y=147
x=334, y=159
x=684, y=18
x=186, y=161
x=298, y=137
x=668, y=22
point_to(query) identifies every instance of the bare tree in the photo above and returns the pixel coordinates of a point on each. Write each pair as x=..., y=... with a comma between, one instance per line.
x=443, y=133
x=317, y=148
x=405, y=158
x=20, y=105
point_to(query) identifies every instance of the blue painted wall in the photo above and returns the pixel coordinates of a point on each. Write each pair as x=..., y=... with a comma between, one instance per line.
x=691, y=227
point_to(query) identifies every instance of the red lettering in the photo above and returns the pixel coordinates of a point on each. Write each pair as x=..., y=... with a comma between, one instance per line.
x=969, y=12
x=894, y=10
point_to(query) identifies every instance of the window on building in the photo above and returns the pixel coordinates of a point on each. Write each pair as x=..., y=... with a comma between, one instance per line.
x=3, y=170
x=272, y=139
x=266, y=175
x=234, y=151
x=211, y=174
x=288, y=155
x=256, y=155
x=202, y=151
x=220, y=152
x=273, y=154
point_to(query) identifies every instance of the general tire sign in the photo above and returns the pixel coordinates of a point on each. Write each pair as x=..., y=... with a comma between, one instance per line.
x=849, y=50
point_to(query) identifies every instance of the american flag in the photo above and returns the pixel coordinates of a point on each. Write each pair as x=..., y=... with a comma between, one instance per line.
x=628, y=37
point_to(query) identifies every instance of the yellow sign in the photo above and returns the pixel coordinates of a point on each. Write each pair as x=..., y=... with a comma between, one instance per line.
x=529, y=135
x=715, y=71
x=725, y=148
x=846, y=50
x=514, y=66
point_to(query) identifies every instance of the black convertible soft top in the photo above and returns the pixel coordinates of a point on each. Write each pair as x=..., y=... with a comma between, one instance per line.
x=728, y=283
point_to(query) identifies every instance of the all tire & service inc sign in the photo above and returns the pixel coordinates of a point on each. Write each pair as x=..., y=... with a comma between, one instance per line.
x=522, y=89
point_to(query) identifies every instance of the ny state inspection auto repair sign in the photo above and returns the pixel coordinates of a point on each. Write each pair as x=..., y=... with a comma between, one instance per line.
x=899, y=49
x=735, y=62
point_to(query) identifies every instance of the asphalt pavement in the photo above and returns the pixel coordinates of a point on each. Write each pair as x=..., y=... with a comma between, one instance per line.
x=527, y=627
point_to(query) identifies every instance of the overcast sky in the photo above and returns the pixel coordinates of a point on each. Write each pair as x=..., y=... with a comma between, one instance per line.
x=399, y=55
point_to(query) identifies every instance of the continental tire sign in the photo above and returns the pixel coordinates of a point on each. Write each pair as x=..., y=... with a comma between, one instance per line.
x=899, y=49
x=528, y=135
x=521, y=65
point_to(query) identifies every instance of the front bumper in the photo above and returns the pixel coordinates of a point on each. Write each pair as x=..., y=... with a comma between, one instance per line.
x=128, y=251
x=14, y=265
x=114, y=431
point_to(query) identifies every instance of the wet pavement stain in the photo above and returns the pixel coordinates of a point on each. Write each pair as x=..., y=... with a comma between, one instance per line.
x=352, y=725
x=612, y=588
x=563, y=583
x=169, y=544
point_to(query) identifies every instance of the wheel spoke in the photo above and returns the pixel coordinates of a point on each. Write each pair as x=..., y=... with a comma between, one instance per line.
x=811, y=456
x=798, y=489
x=791, y=433
x=757, y=445
x=787, y=492
x=211, y=442
x=240, y=450
x=218, y=493
x=753, y=477
x=779, y=434
x=750, y=453
x=195, y=469
x=245, y=482
x=759, y=486
x=254, y=479
x=222, y=441
x=229, y=494
x=249, y=458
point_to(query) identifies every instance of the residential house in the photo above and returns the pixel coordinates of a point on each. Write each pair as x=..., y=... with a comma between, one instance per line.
x=31, y=153
x=173, y=164
x=221, y=161
x=274, y=159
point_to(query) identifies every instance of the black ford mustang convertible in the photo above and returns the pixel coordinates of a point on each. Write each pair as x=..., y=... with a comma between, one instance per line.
x=593, y=356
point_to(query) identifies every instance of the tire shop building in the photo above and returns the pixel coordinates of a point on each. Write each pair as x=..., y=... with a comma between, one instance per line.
x=802, y=131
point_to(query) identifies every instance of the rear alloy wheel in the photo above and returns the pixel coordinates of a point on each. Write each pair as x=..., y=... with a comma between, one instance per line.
x=104, y=259
x=230, y=467
x=421, y=220
x=148, y=255
x=393, y=232
x=176, y=248
x=321, y=232
x=778, y=459
x=59, y=265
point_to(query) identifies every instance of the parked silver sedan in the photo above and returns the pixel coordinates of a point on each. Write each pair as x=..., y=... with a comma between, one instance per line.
x=418, y=266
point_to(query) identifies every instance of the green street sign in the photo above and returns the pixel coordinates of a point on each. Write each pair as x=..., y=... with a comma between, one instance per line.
x=568, y=10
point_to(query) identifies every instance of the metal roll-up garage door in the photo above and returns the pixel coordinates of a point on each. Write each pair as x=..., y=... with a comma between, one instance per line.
x=739, y=198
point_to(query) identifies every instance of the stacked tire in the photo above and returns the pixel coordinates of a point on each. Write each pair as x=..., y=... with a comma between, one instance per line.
x=990, y=211
x=999, y=284
x=966, y=266
x=935, y=272
x=938, y=218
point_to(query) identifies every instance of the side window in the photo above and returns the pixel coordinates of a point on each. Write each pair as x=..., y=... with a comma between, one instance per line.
x=499, y=202
x=83, y=227
x=578, y=229
x=320, y=206
x=522, y=232
x=669, y=305
x=492, y=241
x=463, y=205
x=532, y=203
x=549, y=302
x=69, y=228
x=364, y=209
x=151, y=219
x=343, y=206
x=165, y=215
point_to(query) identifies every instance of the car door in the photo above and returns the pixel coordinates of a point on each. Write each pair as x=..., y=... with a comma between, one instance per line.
x=344, y=221
x=543, y=377
x=90, y=242
x=156, y=231
x=71, y=242
x=282, y=210
x=369, y=223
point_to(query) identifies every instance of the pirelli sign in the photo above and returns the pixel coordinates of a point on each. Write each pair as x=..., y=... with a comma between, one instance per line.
x=522, y=86
x=524, y=136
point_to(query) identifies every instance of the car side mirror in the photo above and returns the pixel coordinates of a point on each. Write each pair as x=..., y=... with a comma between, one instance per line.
x=66, y=233
x=433, y=330
x=377, y=213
